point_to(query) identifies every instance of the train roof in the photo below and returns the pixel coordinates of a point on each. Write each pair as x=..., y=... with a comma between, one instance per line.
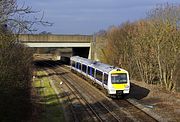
x=82, y=60
x=96, y=64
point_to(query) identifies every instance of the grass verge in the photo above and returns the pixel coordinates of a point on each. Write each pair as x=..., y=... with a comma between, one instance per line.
x=48, y=100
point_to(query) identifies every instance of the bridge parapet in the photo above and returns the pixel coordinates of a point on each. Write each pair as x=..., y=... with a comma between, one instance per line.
x=50, y=38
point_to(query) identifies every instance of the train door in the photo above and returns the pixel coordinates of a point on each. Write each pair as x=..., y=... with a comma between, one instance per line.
x=105, y=80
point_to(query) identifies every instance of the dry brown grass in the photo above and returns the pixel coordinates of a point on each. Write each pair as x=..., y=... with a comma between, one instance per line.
x=165, y=103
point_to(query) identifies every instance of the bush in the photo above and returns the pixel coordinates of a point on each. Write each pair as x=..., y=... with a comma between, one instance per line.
x=15, y=78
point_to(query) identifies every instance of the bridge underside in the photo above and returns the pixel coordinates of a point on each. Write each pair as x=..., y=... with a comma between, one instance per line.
x=58, y=44
x=62, y=49
x=81, y=51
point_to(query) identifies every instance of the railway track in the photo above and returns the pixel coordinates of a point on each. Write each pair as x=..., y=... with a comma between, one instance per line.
x=111, y=107
x=128, y=108
x=97, y=106
x=79, y=104
x=81, y=109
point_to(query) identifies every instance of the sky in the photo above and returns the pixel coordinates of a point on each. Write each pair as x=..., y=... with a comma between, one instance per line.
x=90, y=16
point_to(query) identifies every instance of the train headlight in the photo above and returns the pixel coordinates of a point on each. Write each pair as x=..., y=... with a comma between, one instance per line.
x=127, y=87
x=112, y=91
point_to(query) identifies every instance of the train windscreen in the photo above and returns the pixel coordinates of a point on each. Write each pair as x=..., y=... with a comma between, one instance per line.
x=119, y=78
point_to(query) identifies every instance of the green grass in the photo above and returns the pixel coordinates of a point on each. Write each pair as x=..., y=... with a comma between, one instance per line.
x=52, y=111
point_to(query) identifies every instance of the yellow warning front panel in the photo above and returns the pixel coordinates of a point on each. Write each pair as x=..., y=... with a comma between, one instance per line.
x=119, y=86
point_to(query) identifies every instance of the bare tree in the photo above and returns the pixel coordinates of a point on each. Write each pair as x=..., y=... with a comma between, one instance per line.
x=149, y=48
x=165, y=22
x=15, y=61
x=19, y=19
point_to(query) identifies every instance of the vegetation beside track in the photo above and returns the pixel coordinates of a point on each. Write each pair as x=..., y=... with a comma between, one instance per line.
x=15, y=79
x=149, y=48
x=47, y=100
x=15, y=61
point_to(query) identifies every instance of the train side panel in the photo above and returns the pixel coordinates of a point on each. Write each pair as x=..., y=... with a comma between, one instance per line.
x=115, y=82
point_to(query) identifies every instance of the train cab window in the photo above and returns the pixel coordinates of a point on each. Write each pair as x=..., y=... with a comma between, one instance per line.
x=84, y=68
x=99, y=75
x=105, y=79
x=119, y=78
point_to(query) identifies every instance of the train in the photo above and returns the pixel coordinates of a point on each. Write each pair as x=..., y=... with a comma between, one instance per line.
x=113, y=80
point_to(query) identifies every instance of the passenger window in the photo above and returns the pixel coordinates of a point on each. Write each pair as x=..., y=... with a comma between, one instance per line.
x=84, y=68
x=79, y=65
x=91, y=71
x=105, y=79
x=99, y=75
x=76, y=65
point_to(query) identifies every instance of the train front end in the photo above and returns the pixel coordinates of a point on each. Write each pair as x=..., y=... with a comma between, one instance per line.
x=119, y=82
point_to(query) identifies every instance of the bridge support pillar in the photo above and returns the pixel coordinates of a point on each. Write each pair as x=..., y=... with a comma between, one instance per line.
x=90, y=53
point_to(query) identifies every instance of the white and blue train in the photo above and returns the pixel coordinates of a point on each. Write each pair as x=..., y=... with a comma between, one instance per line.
x=114, y=80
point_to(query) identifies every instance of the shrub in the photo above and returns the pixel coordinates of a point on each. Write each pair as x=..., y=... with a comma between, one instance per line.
x=15, y=78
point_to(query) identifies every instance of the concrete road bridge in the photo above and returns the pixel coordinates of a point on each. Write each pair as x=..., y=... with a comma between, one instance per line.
x=80, y=44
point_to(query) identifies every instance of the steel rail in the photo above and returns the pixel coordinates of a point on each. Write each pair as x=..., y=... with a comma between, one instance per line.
x=73, y=91
x=102, y=104
x=113, y=114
